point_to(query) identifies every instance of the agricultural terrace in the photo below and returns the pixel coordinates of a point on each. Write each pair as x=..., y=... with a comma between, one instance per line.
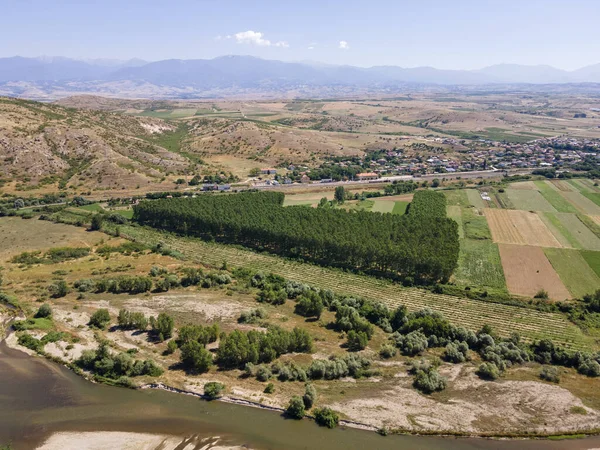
x=421, y=246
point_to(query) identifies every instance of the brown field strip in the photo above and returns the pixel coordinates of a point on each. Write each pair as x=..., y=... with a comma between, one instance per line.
x=562, y=186
x=519, y=227
x=527, y=270
x=582, y=203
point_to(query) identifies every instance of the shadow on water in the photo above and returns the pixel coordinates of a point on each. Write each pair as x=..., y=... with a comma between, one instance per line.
x=38, y=398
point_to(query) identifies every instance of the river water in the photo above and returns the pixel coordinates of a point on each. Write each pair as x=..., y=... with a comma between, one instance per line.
x=38, y=398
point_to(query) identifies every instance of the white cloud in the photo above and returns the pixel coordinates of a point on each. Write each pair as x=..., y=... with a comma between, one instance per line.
x=344, y=45
x=312, y=45
x=256, y=38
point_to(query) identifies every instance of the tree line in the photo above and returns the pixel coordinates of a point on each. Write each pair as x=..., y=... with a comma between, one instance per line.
x=422, y=245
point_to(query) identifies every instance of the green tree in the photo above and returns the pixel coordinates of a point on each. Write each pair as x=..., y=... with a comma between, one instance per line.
x=326, y=417
x=164, y=325
x=100, y=319
x=340, y=194
x=195, y=357
x=357, y=340
x=44, y=311
x=213, y=390
x=97, y=221
x=295, y=408
x=310, y=396
x=309, y=305
x=58, y=289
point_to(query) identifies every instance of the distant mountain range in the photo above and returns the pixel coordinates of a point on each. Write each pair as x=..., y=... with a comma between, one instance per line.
x=196, y=77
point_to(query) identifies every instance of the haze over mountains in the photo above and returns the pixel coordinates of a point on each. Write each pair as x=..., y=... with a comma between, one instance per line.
x=226, y=75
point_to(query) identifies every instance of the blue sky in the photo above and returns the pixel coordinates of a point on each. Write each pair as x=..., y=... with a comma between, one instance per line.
x=448, y=34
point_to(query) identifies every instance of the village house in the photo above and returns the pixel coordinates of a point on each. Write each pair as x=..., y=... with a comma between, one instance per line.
x=367, y=176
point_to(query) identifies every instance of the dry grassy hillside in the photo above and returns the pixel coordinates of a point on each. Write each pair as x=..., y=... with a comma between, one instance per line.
x=50, y=145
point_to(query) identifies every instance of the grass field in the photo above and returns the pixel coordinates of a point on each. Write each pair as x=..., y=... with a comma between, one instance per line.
x=582, y=203
x=457, y=198
x=93, y=207
x=475, y=198
x=383, y=206
x=593, y=260
x=580, y=233
x=479, y=265
x=528, y=200
x=475, y=226
x=593, y=196
x=455, y=213
x=400, y=208
x=557, y=229
x=574, y=271
x=531, y=324
x=553, y=197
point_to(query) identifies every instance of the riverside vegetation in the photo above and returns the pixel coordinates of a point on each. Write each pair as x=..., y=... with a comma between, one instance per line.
x=294, y=327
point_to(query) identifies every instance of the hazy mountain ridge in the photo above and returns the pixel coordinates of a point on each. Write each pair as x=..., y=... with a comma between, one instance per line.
x=175, y=78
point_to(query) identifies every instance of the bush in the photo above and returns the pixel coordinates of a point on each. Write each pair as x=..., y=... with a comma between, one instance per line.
x=550, y=374
x=269, y=389
x=213, y=390
x=171, y=347
x=28, y=341
x=456, y=352
x=295, y=408
x=411, y=344
x=97, y=221
x=488, y=371
x=58, y=289
x=310, y=396
x=252, y=317
x=100, y=319
x=164, y=325
x=326, y=417
x=263, y=373
x=44, y=311
x=309, y=305
x=387, y=351
x=428, y=381
x=543, y=294
x=85, y=285
x=357, y=340
x=195, y=357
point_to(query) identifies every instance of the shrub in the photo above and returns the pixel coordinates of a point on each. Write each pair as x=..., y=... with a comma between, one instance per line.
x=28, y=341
x=253, y=316
x=58, y=289
x=428, y=381
x=97, y=221
x=456, y=352
x=357, y=340
x=310, y=396
x=387, y=351
x=590, y=368
x=309, y=305
x=550, y=374
x=263, y=373
x=132, y=320
x=488, y=371
x=100, y=319
x=295, y=408
x=543, y=294
x=411, y=344
x=85, y=285
x=326, y=417
x=164, y=326
x=44, y=311
x=213, y=390
x=269, y=389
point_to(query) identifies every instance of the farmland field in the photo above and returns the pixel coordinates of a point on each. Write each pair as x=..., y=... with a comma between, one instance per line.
x=563, y=185
x=528, y=200
x=554, y=198
x=527, y=270
x=455, y=213
x=582, y=203
x=475, y=198
x=456, y=198
x=400, y=208
x=475, y=225
x=574, y=230
x=593, y=196
x=519, y=227
x=574, y=271
x=531, y=324
x=479, y=265
x=383, y=206
x=593, y=260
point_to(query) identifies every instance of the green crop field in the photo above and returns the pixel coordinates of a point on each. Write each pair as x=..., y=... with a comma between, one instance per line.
x=400, y=208
x=383, y=206
x=574, y=231
x=472, y=314
x=475, y=226
x=562, y=234
x=593, y=260
x=593, y=196
x=528, y=200
x=479, y=265
x=457, y=198
x=573, y=270
x=93, y=207
x=582, y=203
x=455, y=213
x=475, y=198
x=553, y=197
x=581, y=187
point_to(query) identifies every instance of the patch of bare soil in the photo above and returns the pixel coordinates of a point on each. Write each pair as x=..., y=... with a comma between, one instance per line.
x=475, y=406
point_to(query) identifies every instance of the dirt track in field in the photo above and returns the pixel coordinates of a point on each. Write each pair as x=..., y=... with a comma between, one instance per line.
x=527, y=270
x=519, y=227
x=596, y=219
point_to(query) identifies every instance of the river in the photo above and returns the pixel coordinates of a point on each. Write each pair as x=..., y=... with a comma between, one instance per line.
x=39, y=398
